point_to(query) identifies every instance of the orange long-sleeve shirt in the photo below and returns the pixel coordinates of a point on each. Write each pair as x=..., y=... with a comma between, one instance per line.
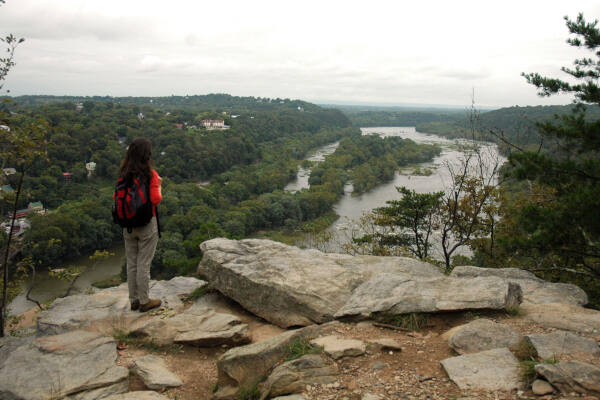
x=155, y=190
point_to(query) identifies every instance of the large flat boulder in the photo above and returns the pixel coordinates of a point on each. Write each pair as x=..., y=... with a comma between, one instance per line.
x=198, y=326
x=535, y=290
x=293, y=376
x=496, y=369
x=564, y=316
x=292, y=287
x=483, y=334
x=572, y=376
x=402, y=294
x=69, y=364
x=109, y=309
x=558, y=343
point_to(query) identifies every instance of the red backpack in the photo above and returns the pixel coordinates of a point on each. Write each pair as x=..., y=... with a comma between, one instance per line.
x=132, y=207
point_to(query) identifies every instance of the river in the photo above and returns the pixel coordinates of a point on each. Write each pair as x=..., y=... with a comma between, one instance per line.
x=48, y=288
x=349, y=208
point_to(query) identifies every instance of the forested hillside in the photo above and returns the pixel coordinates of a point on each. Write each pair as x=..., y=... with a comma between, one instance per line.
x=516, y=125
x=216, y=182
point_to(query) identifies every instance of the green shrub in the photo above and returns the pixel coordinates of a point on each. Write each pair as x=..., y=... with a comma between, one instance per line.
x=412, y=321
x=525, y=351
x=514, y=311
x=299, y=348
x=249, y=392
x=528, y=373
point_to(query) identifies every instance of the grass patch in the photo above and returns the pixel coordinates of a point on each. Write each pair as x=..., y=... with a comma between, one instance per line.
x=525, y=351
x=299, y=348
x=114, y=280
x=144, y=342
x=412, y=321
x=528, y=373
x=514, y=311
x=197, y=293
x=249, y=392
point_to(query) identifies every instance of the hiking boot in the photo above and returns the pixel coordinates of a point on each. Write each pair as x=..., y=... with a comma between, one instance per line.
x=152, y=303
x=135, y=305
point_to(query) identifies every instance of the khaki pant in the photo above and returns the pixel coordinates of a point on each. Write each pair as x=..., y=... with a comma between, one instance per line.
x=140, y=245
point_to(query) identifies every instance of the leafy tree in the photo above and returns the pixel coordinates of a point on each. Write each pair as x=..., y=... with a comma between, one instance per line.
x=411, y=221
x=21, y=145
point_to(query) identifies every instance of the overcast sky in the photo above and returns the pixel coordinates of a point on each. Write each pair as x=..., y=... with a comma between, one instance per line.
x=364, y=52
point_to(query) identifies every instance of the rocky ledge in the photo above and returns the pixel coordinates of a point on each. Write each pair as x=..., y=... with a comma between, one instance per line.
x=74, y=353
x=292, y=287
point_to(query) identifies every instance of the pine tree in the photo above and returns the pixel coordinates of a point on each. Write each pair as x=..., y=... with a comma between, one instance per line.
x=562, y=226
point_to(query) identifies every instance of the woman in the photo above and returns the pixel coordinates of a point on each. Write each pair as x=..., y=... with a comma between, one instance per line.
x=140, y=243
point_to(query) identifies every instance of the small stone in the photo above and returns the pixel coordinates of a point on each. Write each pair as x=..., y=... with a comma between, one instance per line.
x=377, y=365
x=540, y=387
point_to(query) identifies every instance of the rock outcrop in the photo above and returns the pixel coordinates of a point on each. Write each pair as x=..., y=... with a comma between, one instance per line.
x=564, y=316
x=154, y=373
x=79, y=364
x=109, y=309
x=496, y=369
x=402, y=294
x=293, y=376
x=483, y=334
x=197, y=326
x=246, y=365
x=572, y=376
x=292, y=287
x=535, y=290
x=557, y=343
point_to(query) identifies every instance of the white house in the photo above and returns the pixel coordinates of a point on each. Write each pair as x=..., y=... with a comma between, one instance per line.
x=210, y=124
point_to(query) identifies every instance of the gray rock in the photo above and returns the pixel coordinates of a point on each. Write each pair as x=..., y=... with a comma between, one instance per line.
x=101, y=393
x=293, y=376
x=371, y=396
x=246, y=365
x=108, y=309
x=383, y=344
x=572, y=376
x=402, y=294
x=483, y=334
x=141, y=395
x=496, y=369
x=535, y=290
x=196, y=326
x=558, y=343
x=62, y=365
x=541, y=388
x=292, y=287
x=564, y=316
x=377, y=365
x=290, y=397
x=337, y=348
x=154, y=372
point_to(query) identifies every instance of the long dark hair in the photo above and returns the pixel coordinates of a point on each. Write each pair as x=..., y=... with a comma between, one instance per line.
x=138, y=160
